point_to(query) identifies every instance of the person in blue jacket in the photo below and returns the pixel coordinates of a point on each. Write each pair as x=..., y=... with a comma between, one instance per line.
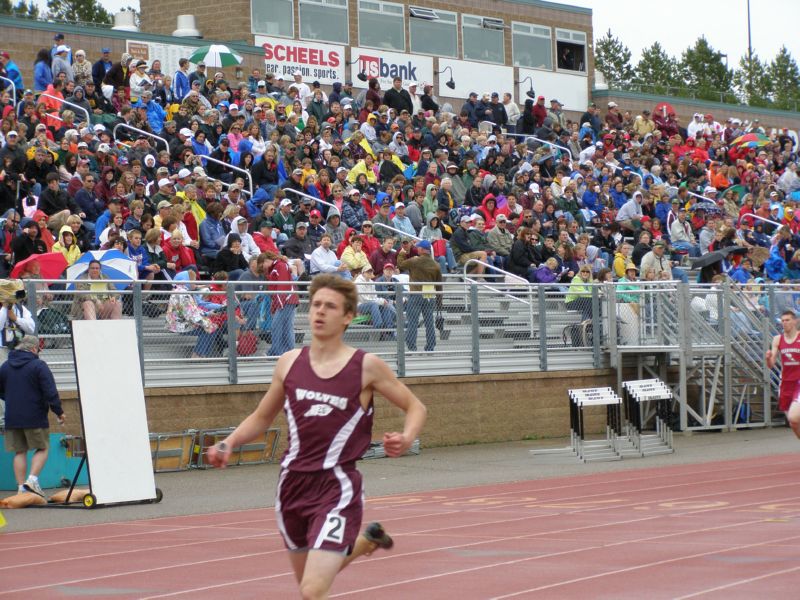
x=42, y=73
x=29, y=390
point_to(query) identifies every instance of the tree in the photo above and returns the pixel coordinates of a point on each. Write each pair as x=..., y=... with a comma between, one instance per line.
x=784, y=80
x=656, y=70
x=751, y=81
x=29, y=10
x=84, y=11
x=612, y=58
x=702, y=69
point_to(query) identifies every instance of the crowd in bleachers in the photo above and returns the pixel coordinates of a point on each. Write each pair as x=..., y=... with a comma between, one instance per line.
x=272, y=179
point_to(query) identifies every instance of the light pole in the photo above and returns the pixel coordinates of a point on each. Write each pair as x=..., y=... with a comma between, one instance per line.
x=749, y=50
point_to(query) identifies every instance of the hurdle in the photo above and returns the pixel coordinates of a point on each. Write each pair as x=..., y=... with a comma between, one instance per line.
x=604, y=449
x=634, y=394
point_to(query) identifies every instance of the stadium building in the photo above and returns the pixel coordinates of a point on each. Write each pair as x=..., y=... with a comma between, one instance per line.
x=502, y=46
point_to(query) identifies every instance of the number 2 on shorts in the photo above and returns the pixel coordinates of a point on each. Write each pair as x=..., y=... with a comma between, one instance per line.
x=334, y=529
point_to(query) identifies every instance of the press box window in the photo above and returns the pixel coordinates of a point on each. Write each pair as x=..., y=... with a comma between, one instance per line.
x=532, y=46
x=272, y=17
x=324, y=20
x=483, y=39
x=433, y=32
x=381, y=25
x=571, y=50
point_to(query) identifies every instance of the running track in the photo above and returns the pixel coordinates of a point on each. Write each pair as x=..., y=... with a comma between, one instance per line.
x=713, y=530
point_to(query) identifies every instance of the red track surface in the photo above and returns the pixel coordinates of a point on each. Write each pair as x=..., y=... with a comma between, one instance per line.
x=714, y=530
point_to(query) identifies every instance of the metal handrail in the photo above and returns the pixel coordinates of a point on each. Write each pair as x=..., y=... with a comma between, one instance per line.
x=498, y=269
x=757, y=217
x=400, y=232
x=13, y=86
x=232, y=167
x=76, y=106
x=139, y=131
x=488, y=286
x=541, y=141
x=314, y=198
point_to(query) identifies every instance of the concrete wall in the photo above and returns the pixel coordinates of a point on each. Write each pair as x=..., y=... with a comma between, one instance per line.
x=461, y=409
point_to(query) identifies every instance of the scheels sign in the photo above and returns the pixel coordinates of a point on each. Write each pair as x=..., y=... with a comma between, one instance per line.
x=317, y=62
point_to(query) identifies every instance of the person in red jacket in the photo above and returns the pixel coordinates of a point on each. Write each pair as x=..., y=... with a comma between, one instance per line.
x=179, y=257
x=539, y=111
x=263, y=237
x=284, y=303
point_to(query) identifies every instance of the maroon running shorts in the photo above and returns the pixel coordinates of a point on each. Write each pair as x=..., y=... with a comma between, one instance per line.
x=789, y=390
x=321, y=509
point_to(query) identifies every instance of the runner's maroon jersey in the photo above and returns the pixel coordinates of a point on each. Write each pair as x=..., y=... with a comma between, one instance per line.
x=328, y=426
x=790, y=358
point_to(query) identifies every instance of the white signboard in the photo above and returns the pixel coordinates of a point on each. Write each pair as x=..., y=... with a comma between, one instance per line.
x=113, y=411
x=318, y=62
x=571, y=90
x=480, y=78
x=385, y=66
x=168, y=54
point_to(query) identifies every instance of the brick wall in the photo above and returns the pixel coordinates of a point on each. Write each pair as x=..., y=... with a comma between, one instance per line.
x=461, y=409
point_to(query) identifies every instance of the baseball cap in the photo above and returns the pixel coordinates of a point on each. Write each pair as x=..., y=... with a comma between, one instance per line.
x=164, y=204
x=286, y=202
x=62, y=48
x=83, y=145
x=423, y=244
x=399, y=205
x=12, y=134
x=104, y=148
x=315, y=213
x=184, y=173
x=266, y=223
x=660, y=243
x=501, y=217
x=302, y=224
x=612, y=105
x=354, y=191
x=297, y=172
x=534, y=187
x=163, y=182
x=186, y=132
x=341, y=169
x=140, y=181
x=465, y=219
x=105, y=50
x=262, y=82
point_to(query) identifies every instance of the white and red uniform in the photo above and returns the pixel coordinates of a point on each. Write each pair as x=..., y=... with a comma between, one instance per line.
x=790, y=371
x=319, y=501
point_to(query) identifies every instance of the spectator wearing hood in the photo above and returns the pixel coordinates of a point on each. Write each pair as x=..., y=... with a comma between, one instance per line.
x=248, y=246
x=29, y=242
x=212, y=232
x=335, y=228
x=67, y=245
x=353, y=213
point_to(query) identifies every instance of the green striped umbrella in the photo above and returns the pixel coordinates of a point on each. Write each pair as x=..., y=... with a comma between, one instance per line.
x=216, y=55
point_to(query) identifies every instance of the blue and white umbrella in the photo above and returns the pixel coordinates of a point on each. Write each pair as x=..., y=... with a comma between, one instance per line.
x=113, y=264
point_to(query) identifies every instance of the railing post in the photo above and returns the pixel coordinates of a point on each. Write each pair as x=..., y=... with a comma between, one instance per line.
x=542, y=298
x=766, y=372
x=400, y=326
x=30, y=300
x=233, y=326
x=685, y=346
x=613, y=342
x=476, y=328
x=597, y=327
x=137, y=318
x=727, y=358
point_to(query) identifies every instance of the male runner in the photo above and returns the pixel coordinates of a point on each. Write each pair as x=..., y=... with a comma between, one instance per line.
x=786, y=346
x=326, y=392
